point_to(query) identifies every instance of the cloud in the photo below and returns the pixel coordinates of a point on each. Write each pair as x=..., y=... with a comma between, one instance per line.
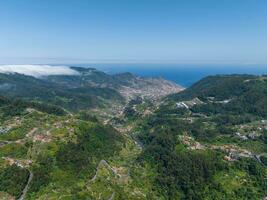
x=37, y=70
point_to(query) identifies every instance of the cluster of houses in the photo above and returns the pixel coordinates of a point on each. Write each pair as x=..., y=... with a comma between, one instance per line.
x=191, y=143
x=19, y=163
x=253, y=135
x=234, y=152
x=251, y=131
x=189, y=104
x=212, y=100
x=242, y=137
x=4, y=130
x=41, y=138
x=38, y=136
x=182, y=105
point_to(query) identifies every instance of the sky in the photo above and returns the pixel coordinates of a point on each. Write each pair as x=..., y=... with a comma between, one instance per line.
x=80, y=31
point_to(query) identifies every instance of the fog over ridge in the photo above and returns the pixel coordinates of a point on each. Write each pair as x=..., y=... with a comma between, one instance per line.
x=37, y=71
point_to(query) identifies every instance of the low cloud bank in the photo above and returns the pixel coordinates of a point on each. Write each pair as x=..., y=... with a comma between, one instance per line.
x=37, y=70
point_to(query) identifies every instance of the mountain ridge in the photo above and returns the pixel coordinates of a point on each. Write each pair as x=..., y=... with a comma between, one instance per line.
x=98, y=87
x=208, y=141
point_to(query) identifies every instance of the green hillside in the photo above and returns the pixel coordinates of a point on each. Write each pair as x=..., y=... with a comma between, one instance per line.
x=59, y=140
x=72, y=98
x=204, y=147
x=63, y=151
x=245, y=93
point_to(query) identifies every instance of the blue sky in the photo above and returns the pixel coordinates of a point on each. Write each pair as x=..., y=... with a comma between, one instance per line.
x=48, y=31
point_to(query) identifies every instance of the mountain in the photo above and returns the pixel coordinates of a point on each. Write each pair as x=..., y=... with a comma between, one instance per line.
x=89, y=88
x=59, y=140
x=10, y=107
x=225, y=93
x=205, y=139
x=58, y=150
x=127, y=84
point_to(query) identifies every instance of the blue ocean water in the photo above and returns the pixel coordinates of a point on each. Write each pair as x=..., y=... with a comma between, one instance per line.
x=183, y=74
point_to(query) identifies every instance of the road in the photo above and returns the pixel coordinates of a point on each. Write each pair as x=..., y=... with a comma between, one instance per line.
x=25, y=190
x=104, y=163
x=112, y=196
x=258, y=158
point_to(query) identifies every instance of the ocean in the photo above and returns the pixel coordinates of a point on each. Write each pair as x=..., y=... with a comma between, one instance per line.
x=182, y=74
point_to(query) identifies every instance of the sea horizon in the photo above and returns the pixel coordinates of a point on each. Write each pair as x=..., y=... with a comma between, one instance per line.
x=182, y=74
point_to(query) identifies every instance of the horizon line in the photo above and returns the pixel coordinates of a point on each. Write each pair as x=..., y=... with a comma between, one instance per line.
x=69, y=61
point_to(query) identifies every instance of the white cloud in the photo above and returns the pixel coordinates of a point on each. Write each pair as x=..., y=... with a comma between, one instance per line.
x=37, y=70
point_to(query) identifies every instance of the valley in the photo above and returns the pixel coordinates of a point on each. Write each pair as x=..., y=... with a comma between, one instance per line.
x=97, y=136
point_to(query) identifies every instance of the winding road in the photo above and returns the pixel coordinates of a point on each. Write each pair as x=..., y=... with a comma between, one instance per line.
x=104, y=163
x=25, y=190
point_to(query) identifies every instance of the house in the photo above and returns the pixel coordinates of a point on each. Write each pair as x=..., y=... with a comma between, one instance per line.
x=243, y=137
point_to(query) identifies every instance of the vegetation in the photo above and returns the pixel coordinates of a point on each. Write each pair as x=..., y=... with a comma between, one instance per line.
x=13, y=180
x=53, y=92
x=188, y=171
x=62, y=129
x=247, y=94
x=15, y=107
